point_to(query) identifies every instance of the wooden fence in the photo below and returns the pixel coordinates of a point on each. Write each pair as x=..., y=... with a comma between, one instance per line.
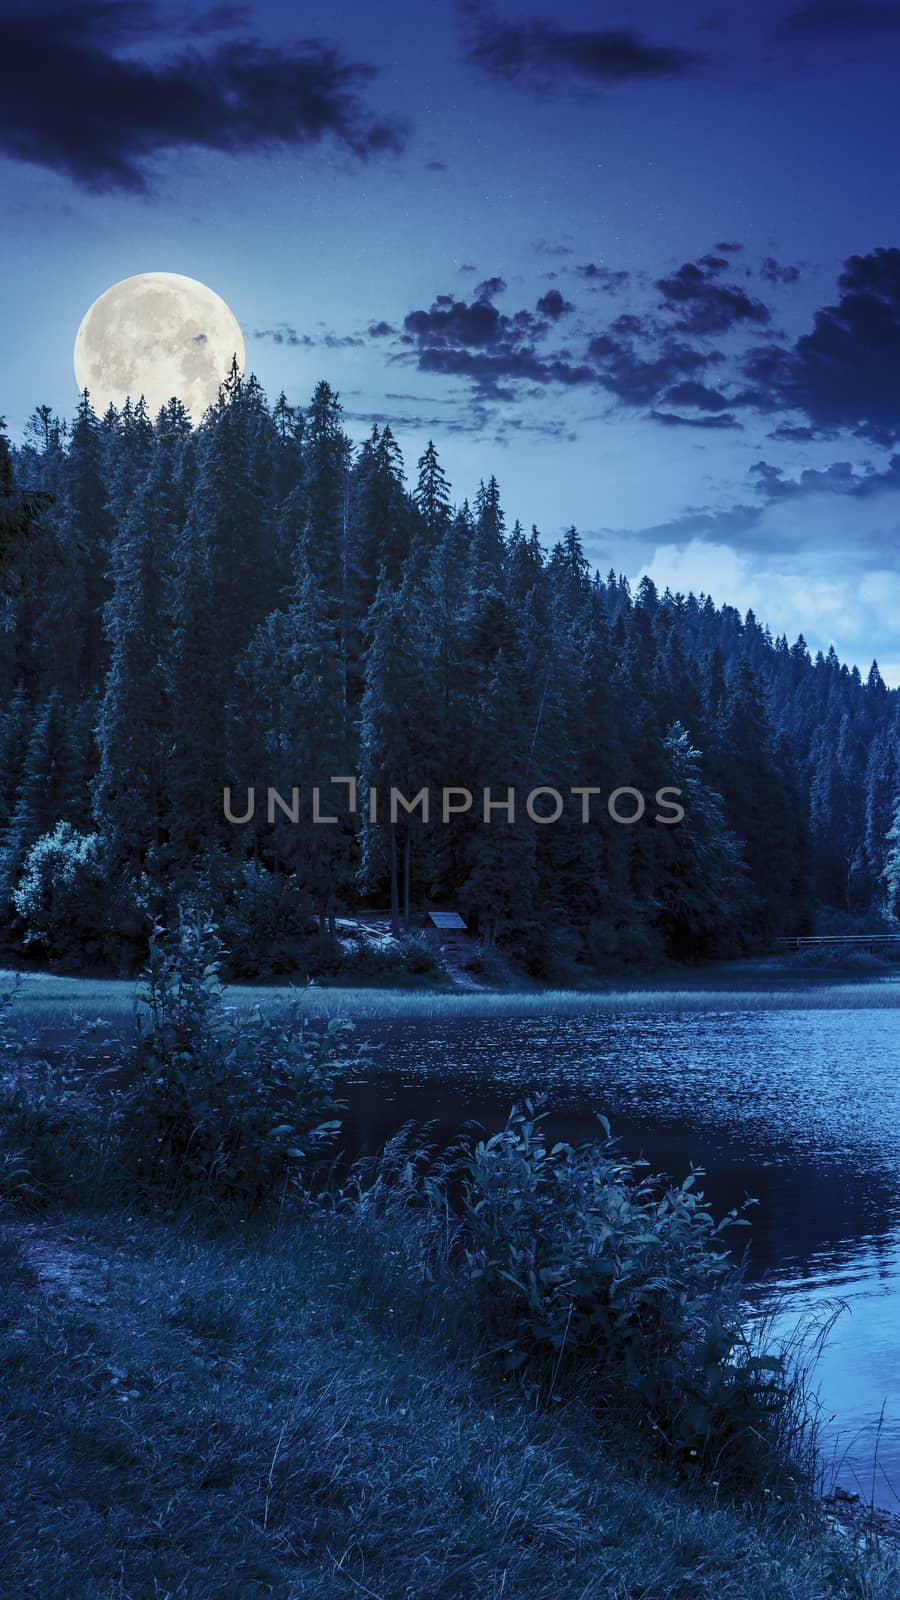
x=828, y=941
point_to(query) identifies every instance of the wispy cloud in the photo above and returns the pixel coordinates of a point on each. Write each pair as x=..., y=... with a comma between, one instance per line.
x=542, y=55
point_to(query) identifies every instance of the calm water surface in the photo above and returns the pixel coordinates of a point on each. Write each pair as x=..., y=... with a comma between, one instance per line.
x=800, y=1109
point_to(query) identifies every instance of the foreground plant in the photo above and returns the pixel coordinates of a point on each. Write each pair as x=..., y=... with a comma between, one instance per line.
x=594, y=1277
x=226, y=1107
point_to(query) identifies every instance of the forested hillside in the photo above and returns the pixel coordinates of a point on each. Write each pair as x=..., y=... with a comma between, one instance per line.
x=255, y=602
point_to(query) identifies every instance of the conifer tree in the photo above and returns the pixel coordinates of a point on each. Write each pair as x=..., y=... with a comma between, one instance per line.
x=381, y=522
x=432, y=497
x=20, y=535
x=701, y=875
x=400, y=732
x=86, y=532
x=130, y=800
x=42, y=794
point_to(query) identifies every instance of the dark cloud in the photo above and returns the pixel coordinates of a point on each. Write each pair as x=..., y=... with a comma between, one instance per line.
x=845, y=374
x=678, y=364
x=380, y=330
x=553, y=305
x=490, y=288
x=729, y=524
x=475, y=420
x=454, y=324
x=704, y=304
x=672, y=419
x=218, y=19
x=841, y=477
x=846, y=17
x=773, y=271
x=420, y=399
x=397, y=420
x=70, y=101
x=697, y=395
x=604, y=277
x=285, y=334
x=468, y=266
x=729, y=246
x=793, y=433
x=435, y=166
x=635, y=378
x=497, y=352
x=506, y=356
x=549, y=247
x=541, y=54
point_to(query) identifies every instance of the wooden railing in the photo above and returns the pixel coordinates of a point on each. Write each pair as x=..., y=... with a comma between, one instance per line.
x=825, y=941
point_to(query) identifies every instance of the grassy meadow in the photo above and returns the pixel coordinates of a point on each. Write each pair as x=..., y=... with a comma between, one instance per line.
x=227, y=1377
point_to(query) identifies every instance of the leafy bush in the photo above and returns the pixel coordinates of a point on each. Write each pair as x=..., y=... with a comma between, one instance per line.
x=413, y=955
x=8, y=1043
x=842, y=958
x=55, y=1144
x=70, y=906
x=611, y=943
x=62, y=891
x=226, y=1107
x=266, y=922
x=590, y=1273
x=417, y=954
x=320, y=956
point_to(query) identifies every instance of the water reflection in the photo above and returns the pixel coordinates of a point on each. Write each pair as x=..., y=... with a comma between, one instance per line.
x=800, y=1109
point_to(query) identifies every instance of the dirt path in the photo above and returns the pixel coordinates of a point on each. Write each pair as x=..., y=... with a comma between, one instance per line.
x=456, y=950
x=59, y=1265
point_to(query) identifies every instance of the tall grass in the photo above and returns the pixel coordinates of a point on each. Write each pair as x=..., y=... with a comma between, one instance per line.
x=299, y=1413
x=505, y=1370
x=48, y=1010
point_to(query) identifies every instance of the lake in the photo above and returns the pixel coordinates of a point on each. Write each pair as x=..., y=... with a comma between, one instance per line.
x=798, y=1108
x=791, y=1097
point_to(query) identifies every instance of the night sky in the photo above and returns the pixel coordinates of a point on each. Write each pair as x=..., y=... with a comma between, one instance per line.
x=640, y=261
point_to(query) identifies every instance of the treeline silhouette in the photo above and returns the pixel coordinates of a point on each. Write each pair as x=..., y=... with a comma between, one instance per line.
x=257, y=602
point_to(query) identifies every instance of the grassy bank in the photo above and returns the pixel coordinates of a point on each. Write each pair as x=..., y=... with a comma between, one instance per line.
x=47, y=1002
x=291, y=1411
x=513, y=1368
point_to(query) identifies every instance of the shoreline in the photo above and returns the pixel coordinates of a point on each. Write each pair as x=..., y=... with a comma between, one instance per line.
x=54, y=993
x=231, y=1382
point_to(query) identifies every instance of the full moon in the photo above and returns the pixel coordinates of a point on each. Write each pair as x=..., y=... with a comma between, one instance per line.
x=159, y=335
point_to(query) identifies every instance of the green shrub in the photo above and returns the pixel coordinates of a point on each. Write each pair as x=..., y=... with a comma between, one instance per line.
x=417, y=954
x=494, y=964
x=73, y=910
x=62, y=893
x=8, y=997
x=55, y=1143
x=412, y=954
x=592, y=1275
x=226, y=1108
x=62, y=880
x=266, y=922
x=841, y=958
x=320, y=956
